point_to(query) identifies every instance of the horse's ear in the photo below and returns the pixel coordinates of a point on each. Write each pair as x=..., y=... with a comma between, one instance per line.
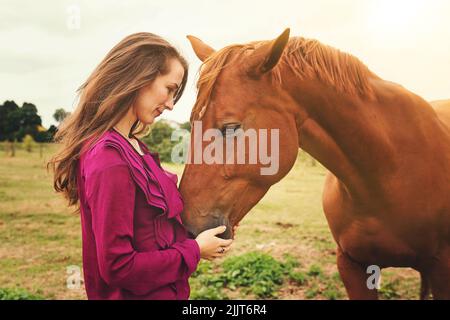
x=266, y=57
x=201, y=49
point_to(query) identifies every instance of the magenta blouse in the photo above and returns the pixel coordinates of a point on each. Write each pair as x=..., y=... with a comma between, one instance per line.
x=134, y=243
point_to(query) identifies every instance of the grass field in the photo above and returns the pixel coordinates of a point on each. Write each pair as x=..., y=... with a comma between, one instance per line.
x=40, y=239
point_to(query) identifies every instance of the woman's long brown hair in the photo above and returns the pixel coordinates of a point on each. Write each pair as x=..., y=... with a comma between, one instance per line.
x=105, y=97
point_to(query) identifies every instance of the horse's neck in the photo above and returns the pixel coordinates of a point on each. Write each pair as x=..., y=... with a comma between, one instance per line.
x=361, y=141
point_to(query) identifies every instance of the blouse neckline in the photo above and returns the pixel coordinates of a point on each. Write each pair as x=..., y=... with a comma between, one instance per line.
x=141, y=155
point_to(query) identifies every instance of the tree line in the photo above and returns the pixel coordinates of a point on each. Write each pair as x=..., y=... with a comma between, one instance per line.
x=18, y=122
x=23, y=124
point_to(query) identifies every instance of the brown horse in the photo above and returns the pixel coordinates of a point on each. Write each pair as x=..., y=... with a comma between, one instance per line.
x=442, y=108
x=387, y=196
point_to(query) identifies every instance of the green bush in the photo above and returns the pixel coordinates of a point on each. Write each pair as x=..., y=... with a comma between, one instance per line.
x=290, y=262
x=389, y=290
x=315, y=271
x=18, y=294
x=261, y=275
x=332, y=294
x=312, y=292
x=298, y=277
x=254, y=273
x=208, y=293
x=260, y=272
x=206, y=284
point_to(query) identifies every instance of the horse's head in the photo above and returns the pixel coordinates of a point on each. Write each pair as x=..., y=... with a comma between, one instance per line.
x=240, y=103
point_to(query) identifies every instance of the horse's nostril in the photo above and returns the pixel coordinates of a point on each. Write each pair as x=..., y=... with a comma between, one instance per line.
x=227, y=234
x=191, y=235
x=191, y=232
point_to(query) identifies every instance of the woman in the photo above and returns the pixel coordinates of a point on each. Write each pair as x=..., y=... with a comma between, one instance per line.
x=134, y=242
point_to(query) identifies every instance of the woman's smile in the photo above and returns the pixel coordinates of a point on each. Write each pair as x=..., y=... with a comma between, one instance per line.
x=159, y=112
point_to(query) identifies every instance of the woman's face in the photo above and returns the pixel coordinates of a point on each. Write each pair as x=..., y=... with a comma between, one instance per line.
x=153, y=99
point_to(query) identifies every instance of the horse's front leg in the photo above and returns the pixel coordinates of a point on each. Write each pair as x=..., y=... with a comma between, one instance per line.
x=354, y=277
x=440, y=276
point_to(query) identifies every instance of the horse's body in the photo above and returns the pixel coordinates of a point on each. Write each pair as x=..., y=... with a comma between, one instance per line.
x=442, y=108
x=406, y=225
x=386, y=198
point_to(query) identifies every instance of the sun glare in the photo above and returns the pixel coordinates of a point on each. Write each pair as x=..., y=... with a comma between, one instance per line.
x=386, y=17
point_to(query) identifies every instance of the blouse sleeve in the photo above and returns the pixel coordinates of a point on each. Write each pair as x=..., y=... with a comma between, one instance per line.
x=111, y=195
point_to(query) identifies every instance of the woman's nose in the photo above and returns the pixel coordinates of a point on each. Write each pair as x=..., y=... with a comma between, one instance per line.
x=169, y=104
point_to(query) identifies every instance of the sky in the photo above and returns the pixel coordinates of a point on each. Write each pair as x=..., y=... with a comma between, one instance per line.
x=49, y=47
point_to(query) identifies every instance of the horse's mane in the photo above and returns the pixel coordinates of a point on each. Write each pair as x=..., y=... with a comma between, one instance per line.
x=305, y=57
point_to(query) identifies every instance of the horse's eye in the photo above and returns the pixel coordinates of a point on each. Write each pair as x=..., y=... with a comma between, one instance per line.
x=230, y=129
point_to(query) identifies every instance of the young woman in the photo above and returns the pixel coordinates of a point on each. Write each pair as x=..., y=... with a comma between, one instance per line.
x=134, y=242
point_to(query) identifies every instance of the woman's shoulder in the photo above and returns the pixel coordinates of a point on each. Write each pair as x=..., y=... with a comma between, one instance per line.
x=101, y=155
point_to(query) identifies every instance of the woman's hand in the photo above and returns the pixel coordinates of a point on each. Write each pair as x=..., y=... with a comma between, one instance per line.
x=235, y=229
x=212, y=246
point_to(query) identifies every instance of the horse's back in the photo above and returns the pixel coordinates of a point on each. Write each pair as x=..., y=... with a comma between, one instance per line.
x=442, y=108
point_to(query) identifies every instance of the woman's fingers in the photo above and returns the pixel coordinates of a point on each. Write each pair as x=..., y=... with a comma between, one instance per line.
x=225, y=242
x=218, y=230
x=221, y=251
x=235, y=229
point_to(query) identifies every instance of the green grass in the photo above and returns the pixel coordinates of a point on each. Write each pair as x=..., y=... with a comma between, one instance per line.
x=18, y=294
x=40, y=239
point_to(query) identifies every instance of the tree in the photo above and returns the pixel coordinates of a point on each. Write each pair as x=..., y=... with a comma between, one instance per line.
x=159, y=140
x=51, y=132
x=22, y=123
x=10, y=120
x=161, y=130
x=186, y=126
x=28, y=142
x=47, y=135
x=29, y=121
x=60, y=115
